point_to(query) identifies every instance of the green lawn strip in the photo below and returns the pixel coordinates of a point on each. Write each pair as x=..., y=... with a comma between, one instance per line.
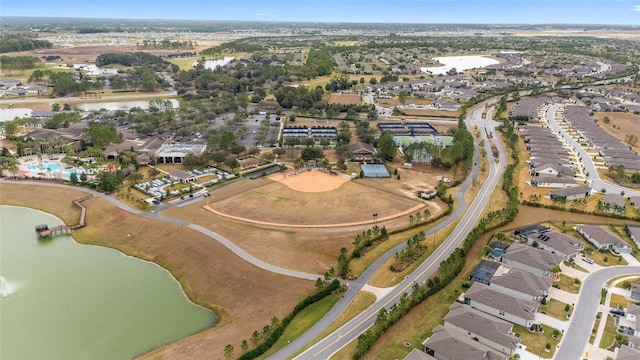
x=359, y=265
x=303, y=321
x=555, y=309
x=594, y=331
x=353, y=168
x=626, y=283
x=362, y=301
x=346, y=352
x=609, y=334
x=568, y=284
x=536, y=342
x=600, y=256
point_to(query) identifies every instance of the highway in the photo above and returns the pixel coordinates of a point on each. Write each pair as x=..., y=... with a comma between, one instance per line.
x=352, y=329
x=595, y=181
x=575, y=340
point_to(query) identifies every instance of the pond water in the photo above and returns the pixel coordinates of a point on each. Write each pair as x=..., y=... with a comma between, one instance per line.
x=10, y=114
x=461, y=63
x=63, y=300
x=213, y=64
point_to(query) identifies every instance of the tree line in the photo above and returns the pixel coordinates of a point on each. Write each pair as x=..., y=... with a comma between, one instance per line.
x=18, y=62
x=21, y=44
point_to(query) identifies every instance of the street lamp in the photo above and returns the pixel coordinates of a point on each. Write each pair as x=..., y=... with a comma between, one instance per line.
x=207, y=196
x=375, y=217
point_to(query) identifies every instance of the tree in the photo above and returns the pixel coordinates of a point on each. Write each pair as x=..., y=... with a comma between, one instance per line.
x=244, y=346
x=55, y=107
x=387, y=148
x=73, y=178
x=255, y=337
x=402, y=96
x=228, y=351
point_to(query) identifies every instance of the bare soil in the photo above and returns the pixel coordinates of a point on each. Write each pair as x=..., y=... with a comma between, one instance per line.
x=625, y=124
x=345, y=99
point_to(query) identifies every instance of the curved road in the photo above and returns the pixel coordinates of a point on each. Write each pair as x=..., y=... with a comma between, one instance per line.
x=352, y=329
x=218, y=237
x=575, y=340
x=596, y=182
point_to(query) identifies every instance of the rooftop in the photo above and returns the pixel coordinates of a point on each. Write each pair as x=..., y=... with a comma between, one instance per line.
x=483, y=294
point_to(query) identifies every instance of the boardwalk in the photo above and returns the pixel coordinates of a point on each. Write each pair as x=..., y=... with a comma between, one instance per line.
x=43, y=231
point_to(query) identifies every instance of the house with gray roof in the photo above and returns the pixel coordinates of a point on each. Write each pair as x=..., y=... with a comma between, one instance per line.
x=556, y=243
x=484, y=271
x=527, y=258
x=628, y=353
x=634, y=233
x=417, y=354
x=521, y=283
x=551, y=170
x=614, y=201
x=553, y=181
x=478, y=326
x=635, y=201
x=602, y=238
x=572, y=193
x=444, y=345
x=502, y=305
x=635, y=291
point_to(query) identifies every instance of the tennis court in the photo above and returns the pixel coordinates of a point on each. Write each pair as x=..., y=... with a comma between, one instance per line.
x=375, y=170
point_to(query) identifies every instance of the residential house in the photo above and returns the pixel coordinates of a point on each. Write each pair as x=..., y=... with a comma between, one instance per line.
x=527, y=258
x=551, y=170
x=634, y=233
x=443, y=345
x=628, y=353
x=572, y=193
x=484, y=271
x=556, y=243
x=478, y=326
x=635, y=201
x=602, y=238
x=417, y=354
x=501, y=305
x=635, y=292
x=553, y=181
x=521, y=283
x=615, y=202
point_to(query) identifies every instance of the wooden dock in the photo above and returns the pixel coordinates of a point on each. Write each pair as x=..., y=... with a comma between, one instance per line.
x=44, y=232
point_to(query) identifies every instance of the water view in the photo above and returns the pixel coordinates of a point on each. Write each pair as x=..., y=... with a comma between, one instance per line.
x=123, y=105
x=63, y=300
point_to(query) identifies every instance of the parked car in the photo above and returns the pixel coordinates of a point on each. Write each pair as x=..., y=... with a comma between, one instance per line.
x=587, y=260
x=618, y=311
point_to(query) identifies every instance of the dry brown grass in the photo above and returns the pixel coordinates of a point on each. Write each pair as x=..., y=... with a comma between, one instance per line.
x=625, y=124
x=209, y=273
x=344, y=99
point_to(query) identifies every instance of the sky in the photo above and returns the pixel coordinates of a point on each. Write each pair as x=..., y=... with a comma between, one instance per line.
x=614, y=12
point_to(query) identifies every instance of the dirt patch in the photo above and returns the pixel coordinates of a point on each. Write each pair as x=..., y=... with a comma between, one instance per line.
x=430, y=113
x=310, y=181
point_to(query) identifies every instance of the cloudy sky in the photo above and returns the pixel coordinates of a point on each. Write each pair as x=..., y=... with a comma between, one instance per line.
x=626, y=12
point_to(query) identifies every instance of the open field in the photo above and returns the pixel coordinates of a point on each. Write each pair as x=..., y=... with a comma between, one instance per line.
x=344, y=99
x=210, y=274
x=625, y=124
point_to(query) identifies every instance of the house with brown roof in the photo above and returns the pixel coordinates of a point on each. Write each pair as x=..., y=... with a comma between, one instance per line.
x=362, y=151
x=501, y=305
x=602, y=238
x=522, y=284
x=529, y=259
x=444, y=345
x=478, y=326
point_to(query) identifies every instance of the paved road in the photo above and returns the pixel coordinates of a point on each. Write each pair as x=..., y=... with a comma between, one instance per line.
x=575, y=340
x=348, y=332
x=153, y=215
x=596, y=182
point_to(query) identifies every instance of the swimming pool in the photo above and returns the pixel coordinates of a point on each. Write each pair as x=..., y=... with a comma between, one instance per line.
x=54, y=168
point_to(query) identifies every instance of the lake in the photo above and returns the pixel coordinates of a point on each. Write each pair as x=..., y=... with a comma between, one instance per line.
x=63, y=300
x=461, y=63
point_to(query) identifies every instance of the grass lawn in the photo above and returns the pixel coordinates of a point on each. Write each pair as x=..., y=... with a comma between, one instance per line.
x=353, y=168
x=594, y=331
x=568, y=284
x=621, y=284
x=618, y=301
x=555, y=309
x=185, y=63
x=303, y=321
x=384, y=277
x=609, y=334
x=363, y=300
x=606, y=258
x=205, y=179
x=536, y=341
